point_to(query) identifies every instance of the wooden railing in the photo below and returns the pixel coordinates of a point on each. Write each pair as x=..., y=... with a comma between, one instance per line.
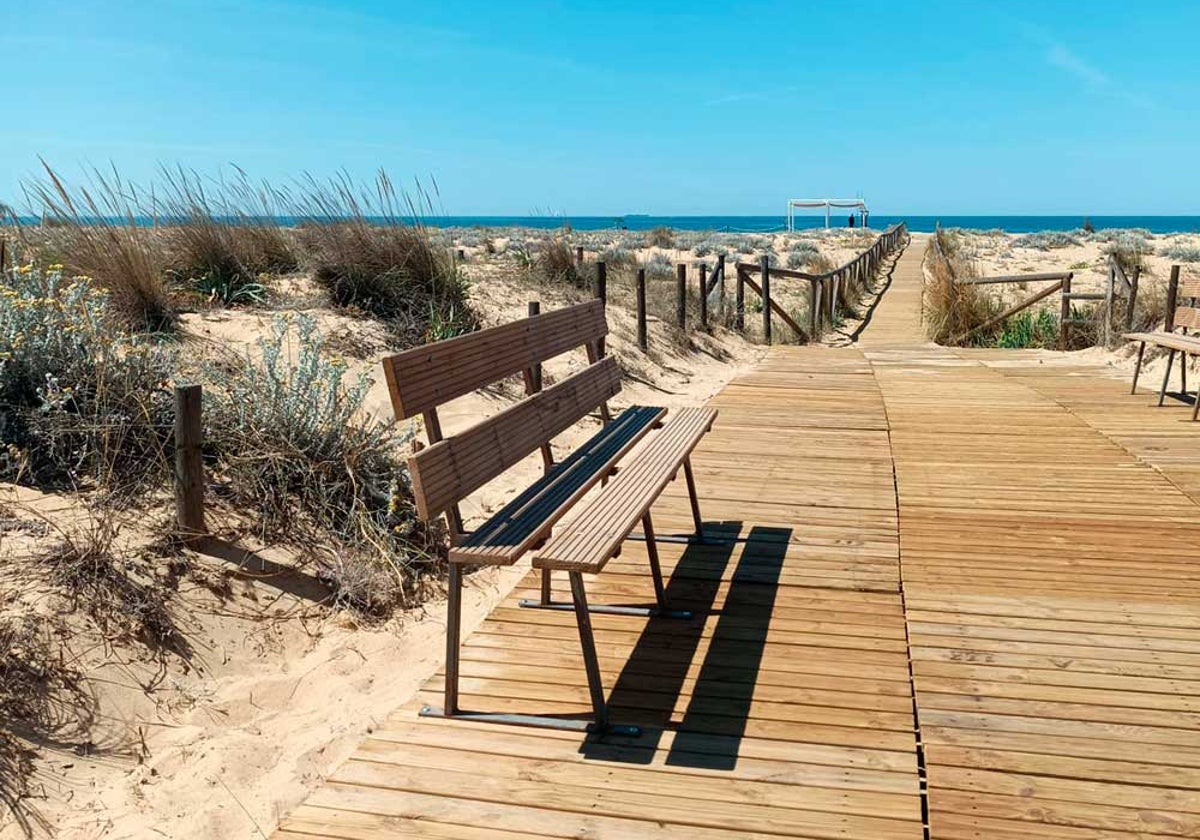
x=1118, y=286
x=829, y=294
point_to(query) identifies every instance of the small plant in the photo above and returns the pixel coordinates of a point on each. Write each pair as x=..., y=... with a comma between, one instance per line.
x=1046, y=240
x=801, y=255
x=1087, y=226
x=659, y=267
x=1181, y=253
x=1129, y=250
x=1028, y=329
x=660, y=237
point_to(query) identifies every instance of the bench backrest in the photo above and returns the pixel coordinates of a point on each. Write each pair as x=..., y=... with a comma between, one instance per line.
x=421, y=379
x=1184, y=309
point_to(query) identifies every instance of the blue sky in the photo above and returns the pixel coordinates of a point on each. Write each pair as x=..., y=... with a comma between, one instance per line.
x=625, y=107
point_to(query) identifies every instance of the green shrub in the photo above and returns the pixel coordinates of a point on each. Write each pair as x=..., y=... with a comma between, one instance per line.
x=1181, y=253
x=294, y=449
x=80, y=399
x=1029, y=329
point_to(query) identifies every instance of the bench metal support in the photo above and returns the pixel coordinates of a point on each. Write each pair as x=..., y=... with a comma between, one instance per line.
x=661, y=609
x=695, y=500
x=537, y=721
x=1162, y=392
x=453, y=631
x=1137, y=369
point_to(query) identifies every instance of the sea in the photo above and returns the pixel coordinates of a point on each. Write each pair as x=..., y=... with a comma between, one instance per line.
x=767, y=224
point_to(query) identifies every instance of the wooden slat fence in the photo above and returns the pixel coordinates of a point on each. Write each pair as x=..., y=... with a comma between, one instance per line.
x=829, y=294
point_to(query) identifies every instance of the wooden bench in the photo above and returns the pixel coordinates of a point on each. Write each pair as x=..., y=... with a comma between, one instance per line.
x=1183, y=318
x=451, y=468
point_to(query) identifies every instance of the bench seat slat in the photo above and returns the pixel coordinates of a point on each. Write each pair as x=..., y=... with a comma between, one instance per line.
x=448, y=471
x=516, y=527
x=588, y=542
x=1171, y=341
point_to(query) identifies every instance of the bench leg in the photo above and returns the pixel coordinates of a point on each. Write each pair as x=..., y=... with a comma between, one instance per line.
x=453, y=630
x=545, y=587
x=1196, y=405
x=1162, y=392
x=1137, y=369
x=591, y=663
x=693, y=497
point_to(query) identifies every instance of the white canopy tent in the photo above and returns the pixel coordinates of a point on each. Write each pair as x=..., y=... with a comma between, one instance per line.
x=827, y=203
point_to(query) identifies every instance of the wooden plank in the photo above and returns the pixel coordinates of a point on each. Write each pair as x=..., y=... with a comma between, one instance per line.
x=428, y=376
x=450, y=470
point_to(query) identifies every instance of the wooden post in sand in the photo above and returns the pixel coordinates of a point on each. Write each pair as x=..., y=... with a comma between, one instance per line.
x=189, y=468
x=681, y=296
x=642, y=343
x=602, y=294
x=739, y=300
x=765, y=270
x=703, y=296
x=1064, y=314
x=1172, y=298
x=535, y=370
x=578, y=255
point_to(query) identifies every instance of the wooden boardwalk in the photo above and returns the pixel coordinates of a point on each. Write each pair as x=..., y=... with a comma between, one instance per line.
x=973, y=569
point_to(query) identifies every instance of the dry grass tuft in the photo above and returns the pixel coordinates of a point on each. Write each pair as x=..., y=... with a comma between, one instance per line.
x=121, y=594
x=371, y=251
x=41, y=699
x=660, y=237
x=221, y=237
x=96, y=233
x=951, y=310
x=555, y=264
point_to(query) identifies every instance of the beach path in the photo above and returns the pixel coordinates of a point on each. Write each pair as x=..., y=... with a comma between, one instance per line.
x=971, y=572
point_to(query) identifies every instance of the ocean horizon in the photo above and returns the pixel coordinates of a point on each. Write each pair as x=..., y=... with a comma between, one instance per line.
x=770, y=224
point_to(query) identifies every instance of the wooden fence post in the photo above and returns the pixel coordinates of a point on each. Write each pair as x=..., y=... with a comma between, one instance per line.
x=1172, y=297
x=703, y=296
x=721, y=279
x=189, y=466
x=602, y=294
x=641, y=310
x=1064, y=314
x=1131, y=304
x=535, y=372
x=765, y=270
x=681, y=296
x=462, y=255
x=814, y=307
x=739, y=300
x=579, y=255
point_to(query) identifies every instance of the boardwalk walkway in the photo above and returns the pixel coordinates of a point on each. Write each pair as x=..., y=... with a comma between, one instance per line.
x=1006, y=539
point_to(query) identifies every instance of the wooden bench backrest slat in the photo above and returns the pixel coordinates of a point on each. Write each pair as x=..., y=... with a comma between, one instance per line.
x=1187, y=316
x=446, y=472
x=426, y=377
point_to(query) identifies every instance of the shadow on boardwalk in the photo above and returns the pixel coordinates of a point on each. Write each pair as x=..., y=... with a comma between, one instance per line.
x=655, y=677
